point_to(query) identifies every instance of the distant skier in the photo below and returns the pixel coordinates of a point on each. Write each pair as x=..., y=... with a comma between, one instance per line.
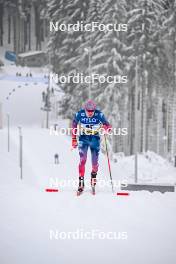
x=90, y=120
x=43, y=96
x=52, y=91
x=56, y=158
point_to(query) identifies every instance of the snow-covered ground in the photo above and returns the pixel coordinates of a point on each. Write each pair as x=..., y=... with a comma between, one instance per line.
x=29, y=215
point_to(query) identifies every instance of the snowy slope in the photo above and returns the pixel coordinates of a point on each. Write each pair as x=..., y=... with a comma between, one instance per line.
x=28, y=213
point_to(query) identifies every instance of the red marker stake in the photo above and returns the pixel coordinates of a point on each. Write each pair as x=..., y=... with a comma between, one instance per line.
x=51, y=190
x=123, y=194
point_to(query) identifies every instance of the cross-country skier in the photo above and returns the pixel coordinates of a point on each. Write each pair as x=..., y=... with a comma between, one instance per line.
x=56, y=158
x=90, y=120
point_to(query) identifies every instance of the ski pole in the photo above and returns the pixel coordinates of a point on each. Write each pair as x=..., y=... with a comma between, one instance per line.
x=109, y=166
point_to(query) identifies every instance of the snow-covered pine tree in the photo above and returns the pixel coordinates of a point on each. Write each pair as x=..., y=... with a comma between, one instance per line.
x=143, y=39
x=169, y=23
x=110, y=60
x=87, y=51
x=66, y=47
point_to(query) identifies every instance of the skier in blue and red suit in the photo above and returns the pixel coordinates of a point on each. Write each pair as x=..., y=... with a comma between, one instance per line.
x=90, y=120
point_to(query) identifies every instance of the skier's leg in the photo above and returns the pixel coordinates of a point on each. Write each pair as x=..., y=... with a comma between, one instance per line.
x=95, y=155
x=83, y=147
x=95, y=149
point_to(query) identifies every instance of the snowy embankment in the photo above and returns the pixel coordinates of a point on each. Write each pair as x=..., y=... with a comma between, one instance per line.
x=28, y=213
x=152, y=168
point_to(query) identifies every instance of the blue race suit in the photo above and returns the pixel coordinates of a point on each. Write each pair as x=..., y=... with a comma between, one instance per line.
x=89, y=137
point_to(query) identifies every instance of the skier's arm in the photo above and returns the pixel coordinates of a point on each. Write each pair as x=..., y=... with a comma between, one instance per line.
x=106, y=125
x=75, y=124
x=74, y=130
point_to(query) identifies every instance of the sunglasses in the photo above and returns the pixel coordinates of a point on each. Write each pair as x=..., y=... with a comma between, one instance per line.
x=90, y=111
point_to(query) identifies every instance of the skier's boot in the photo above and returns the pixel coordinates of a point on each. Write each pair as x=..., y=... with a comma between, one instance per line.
x=81, y=185
x=93, y=181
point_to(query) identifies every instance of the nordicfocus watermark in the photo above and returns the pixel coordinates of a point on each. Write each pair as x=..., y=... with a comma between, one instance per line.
x=93, y=78
x=87, y=27
x=81, y=234
x=56, y=131
x=62, y=131
x=71, y=183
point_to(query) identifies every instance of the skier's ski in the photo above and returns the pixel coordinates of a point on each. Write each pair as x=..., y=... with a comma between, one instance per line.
x=93, y=182
x=79, y=192
x=81, y=186
x=93, y=190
